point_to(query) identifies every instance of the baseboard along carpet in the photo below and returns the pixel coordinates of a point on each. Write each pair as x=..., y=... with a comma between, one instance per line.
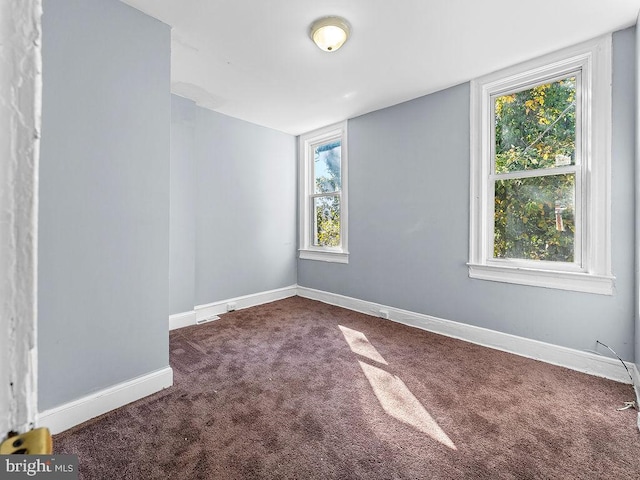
x=298, y=389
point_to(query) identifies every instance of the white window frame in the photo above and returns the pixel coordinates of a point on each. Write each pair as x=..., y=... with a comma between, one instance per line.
x=591, y=272
x=307, y=144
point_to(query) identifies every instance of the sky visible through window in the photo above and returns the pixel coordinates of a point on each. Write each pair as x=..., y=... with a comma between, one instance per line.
x=327, y=167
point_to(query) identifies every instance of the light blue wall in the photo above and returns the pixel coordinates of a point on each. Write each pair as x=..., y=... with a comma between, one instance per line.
x=183, y=205
x=623, y=184
x=103, y=284
x=233, y=207
x=246, y=208
x=409, y=225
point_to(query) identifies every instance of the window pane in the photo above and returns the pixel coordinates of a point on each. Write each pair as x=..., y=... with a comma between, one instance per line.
x=536, y=128
x=326, y=167
x=535, y=218
x=326, y=228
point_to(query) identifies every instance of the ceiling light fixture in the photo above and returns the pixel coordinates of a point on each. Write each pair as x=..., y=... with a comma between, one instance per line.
x=329, y=33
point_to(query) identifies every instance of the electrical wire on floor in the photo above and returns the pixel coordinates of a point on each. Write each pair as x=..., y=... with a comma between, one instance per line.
x=627, y=405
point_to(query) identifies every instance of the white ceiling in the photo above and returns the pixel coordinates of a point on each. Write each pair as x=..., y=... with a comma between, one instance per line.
x=253, y=59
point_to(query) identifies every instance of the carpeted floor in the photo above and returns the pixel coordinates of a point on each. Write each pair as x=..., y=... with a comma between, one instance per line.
x=297, y=389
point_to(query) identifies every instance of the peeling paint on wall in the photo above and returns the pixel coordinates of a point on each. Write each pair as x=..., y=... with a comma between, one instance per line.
x=20, y=113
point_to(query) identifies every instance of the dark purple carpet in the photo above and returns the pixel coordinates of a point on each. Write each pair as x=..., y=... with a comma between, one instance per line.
x=297, y=389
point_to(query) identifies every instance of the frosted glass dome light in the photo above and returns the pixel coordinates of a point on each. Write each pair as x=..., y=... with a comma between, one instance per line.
x=329, y=33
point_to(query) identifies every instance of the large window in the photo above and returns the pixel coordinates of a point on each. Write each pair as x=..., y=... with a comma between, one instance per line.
x=540, y=160
x=323, y=194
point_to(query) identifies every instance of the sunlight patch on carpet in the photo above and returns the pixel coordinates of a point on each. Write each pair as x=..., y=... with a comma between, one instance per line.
x=360, y=345
x=398, y=401
x=394, y=396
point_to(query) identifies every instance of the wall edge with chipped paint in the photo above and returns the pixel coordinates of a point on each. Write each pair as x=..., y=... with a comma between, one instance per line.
x=20, y=114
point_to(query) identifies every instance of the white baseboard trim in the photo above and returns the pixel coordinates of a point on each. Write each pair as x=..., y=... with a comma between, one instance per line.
x=184, y=319
x=70, y=414
x=585, y=362
x=246, y=301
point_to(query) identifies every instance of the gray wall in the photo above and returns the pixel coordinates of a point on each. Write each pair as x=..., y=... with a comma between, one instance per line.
x=104, y=198
x=233, y=191
x=409, y=225
x=182, y=260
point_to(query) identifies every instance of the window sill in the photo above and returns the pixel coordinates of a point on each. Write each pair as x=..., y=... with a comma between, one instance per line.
x=324, y=256
x=577, y=282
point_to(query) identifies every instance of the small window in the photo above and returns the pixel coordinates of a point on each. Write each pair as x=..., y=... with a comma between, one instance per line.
x=323, y=198
x=540, y=172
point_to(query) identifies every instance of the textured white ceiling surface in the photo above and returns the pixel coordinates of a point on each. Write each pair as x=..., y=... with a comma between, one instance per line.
x=254, y=60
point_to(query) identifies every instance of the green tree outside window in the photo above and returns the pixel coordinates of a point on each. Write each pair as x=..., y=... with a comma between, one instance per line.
x=534, y=216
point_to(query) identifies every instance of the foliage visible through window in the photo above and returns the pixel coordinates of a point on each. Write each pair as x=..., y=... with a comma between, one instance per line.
x=326, y=198
x=535, y=172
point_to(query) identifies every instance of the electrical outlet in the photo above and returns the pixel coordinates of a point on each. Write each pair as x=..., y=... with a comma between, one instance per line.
x=231, y=306
x=383, y=314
